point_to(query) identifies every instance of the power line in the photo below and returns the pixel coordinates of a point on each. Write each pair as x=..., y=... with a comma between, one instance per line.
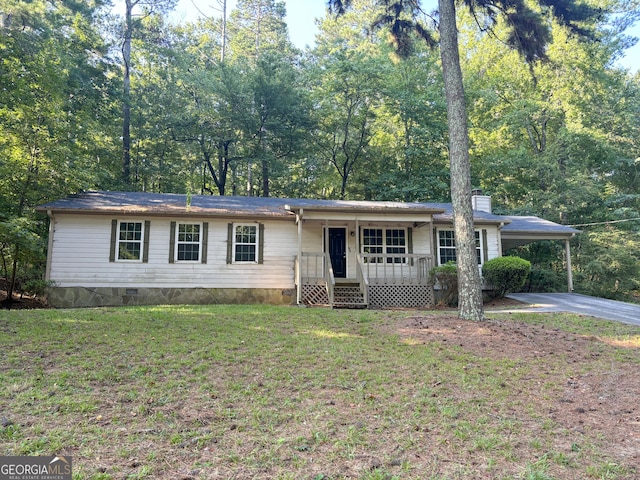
x=605, y=223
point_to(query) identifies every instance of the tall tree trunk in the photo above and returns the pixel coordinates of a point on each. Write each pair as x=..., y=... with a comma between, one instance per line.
x=265, y=177
x=470, y=305
x=126, y=95
x=12, y=283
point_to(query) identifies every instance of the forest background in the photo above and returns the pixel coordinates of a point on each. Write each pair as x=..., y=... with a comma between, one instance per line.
x=94, y=97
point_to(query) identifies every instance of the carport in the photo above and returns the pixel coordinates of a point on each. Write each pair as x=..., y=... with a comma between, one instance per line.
x=524, y=230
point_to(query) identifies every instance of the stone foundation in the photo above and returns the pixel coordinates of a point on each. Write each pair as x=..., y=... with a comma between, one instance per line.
x=76, y=297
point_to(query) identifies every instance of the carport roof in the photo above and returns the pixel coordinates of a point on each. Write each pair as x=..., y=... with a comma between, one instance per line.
x=529, y=229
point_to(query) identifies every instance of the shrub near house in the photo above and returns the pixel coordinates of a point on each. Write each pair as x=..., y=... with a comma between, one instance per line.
x=506, y=274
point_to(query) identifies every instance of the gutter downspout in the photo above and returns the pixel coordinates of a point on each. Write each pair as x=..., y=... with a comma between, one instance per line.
x=500, y=239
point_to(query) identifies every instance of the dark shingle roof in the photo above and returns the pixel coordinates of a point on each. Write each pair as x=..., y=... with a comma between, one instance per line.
x=169, y=203
x=143, y=203
x=479, y=216
x=530, y=225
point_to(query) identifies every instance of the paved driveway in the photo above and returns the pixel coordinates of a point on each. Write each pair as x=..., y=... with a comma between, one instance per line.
x=582, y=304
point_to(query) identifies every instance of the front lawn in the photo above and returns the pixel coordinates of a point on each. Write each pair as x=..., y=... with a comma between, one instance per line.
x=220, y=392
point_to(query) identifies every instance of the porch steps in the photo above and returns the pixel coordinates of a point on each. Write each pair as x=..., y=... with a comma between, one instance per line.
x=348, y=295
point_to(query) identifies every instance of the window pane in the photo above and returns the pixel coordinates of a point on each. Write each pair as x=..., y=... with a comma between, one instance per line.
x=245, y=253
x=130, y=231
x=129, y=240
x=188, y=233
x=372, y=242
x=396, y=244
x=188, y=251
x=129, y=251
x=188, y=244
x=246, y=243
x=372, y=236
x=245, y=234
x=447, y=246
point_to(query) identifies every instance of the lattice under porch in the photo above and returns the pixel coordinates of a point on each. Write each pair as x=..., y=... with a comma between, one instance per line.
x=407, y=296
x=410, y=296
x=315, y=295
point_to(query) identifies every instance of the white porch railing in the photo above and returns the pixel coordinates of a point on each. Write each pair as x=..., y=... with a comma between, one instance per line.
x=372, y=271
x=316, y=269
x=363, y=280
x=396, y=269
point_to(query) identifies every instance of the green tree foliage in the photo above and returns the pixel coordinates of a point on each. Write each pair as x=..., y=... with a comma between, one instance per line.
x=21, y=253
x=608, y=262
x=135, y=13
x=258, y=27
x=349, y=118
x=557, y=140
x=52, y=79
x=410, y=136
x=379, y=120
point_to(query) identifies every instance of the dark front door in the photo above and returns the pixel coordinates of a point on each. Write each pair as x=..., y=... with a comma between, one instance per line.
x=338, y=251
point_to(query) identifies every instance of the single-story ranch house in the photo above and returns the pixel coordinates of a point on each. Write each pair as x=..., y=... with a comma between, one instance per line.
x=125, y=248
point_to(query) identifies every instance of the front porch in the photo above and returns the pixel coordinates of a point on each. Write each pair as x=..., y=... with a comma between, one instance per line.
x=380, y=281
x=364, y=254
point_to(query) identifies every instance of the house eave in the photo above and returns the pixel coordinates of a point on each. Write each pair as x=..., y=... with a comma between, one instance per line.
x=199, y=213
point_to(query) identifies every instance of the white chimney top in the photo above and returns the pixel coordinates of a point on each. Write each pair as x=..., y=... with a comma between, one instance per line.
x=480, y=202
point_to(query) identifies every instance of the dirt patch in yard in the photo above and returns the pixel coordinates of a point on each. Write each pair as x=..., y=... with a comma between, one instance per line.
x=603, y=404
x=19, y=300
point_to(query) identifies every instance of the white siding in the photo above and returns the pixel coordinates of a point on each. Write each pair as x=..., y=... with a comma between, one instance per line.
x=81, y=245
x=493, y=241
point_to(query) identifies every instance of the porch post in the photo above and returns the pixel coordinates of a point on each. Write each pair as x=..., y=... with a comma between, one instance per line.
x=298, y=272
x=567, y=253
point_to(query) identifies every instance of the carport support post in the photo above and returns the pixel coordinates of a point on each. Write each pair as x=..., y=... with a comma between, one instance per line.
x=567, y=253
x=298, y=272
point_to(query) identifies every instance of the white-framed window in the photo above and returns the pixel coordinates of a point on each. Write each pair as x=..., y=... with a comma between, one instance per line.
x=396, y=242
x=188, y=242
x=447, y=246
x=245, y=243
x=129, y=241
x=387, y=241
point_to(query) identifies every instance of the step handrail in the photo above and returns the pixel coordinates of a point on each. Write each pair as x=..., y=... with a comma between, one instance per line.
x=363, y=279
x=329, y=278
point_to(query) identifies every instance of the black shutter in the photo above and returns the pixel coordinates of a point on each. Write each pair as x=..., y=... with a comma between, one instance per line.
x=172, y=242
x=230, y=243
x=205, y=241
x=260, y=243
x=145, y=244
x=114, y=233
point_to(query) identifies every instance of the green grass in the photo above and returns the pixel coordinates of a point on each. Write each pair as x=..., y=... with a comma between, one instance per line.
x=277, y=392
